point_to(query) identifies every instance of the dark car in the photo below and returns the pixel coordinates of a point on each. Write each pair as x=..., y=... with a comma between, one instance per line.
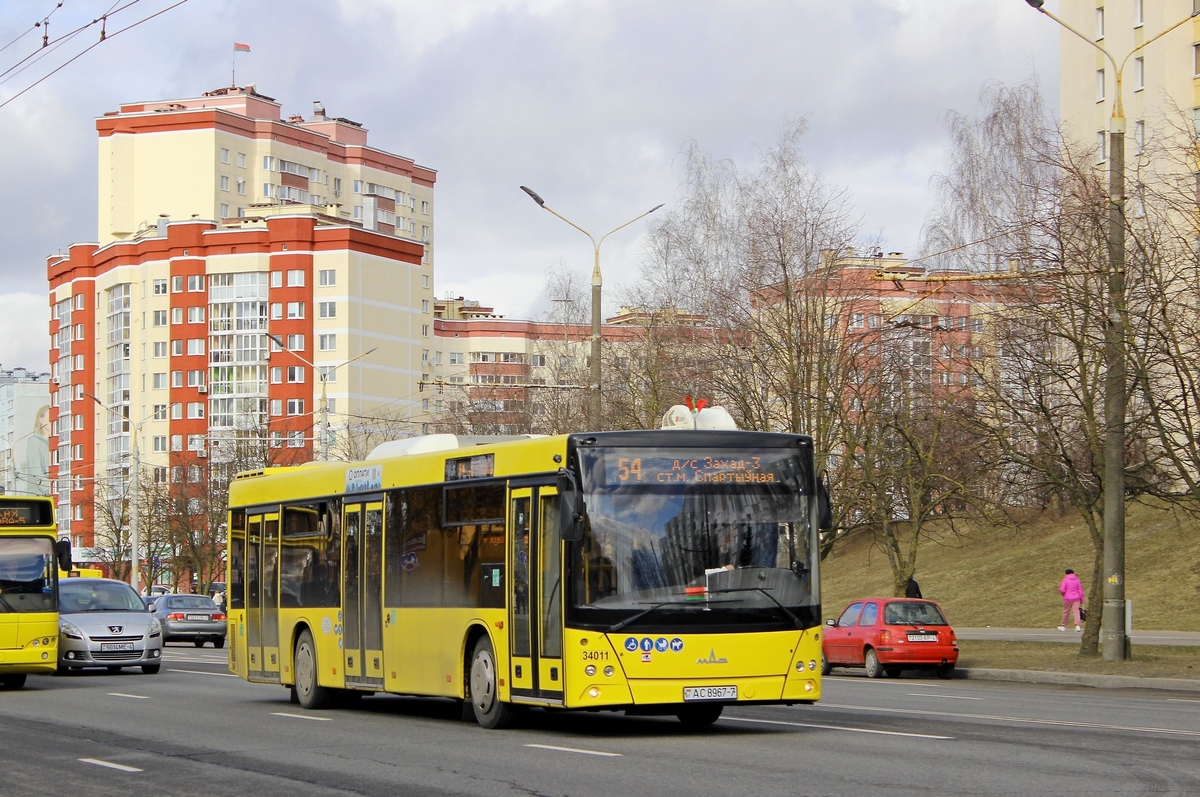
x=888, y=635
x=102, y=623
x=190, y=618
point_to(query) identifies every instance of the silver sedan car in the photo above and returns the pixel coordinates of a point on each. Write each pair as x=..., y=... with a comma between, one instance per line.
x=189, y=618
x=103, y=623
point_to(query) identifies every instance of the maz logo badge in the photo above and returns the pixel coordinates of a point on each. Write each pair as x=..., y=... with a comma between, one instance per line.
x=712, y=658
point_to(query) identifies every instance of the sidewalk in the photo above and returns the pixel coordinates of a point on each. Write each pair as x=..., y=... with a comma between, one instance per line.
x=1182, y=638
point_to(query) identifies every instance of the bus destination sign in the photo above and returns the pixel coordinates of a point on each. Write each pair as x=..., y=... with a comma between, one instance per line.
x=694, y=467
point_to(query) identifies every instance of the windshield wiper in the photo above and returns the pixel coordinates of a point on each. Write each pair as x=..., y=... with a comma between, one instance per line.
x=635, y=617
x=795, y=620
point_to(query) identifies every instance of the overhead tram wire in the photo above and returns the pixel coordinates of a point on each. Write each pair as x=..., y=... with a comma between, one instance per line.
x=49, y=45
x=103, y=38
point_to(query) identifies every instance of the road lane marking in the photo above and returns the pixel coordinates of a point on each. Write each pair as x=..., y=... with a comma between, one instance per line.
x=1181, y=700
x=575, y=750
x=840, y=728
x=202, y=672
x=135, y=697
x=948, y=697
x=1025, y=720
x=302, y=716
x=110, y=765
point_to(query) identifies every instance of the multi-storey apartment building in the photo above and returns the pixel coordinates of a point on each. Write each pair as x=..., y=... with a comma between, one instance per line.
x=24, y=431
x=207, y=316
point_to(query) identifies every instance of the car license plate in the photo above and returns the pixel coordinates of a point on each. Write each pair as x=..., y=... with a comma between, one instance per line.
x=107, y=646
x=922, y=637
x=198, y=617
x=710, y=693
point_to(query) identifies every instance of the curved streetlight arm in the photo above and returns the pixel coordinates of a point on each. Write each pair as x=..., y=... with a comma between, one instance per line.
x=1118, y=105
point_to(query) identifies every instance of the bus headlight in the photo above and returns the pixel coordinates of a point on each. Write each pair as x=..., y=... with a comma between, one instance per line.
x=609, y=671
x=590, y=670
x=812, y=665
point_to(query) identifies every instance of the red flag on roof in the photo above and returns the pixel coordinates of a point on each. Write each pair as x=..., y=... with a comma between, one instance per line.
x=238, y=47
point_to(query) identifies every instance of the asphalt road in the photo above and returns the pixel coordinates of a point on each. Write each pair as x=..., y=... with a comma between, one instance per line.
x=193, y=729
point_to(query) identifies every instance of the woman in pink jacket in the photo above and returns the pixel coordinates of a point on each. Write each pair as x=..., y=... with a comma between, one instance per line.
x=1072, y=593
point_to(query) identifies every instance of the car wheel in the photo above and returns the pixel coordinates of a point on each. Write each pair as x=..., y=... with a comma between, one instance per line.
x=151, y=669
x=945, y=671
x=490, y=711
x=199, y=643
x=309, y=693
x=871, y=661
x=699, y=716
x=826, y=667
x=219, y=642
x=891, y=672
x=13, y=681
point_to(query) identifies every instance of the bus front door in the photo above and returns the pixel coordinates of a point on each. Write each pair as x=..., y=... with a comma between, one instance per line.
x=535, y=596
x=262, y=597
x=362, y=620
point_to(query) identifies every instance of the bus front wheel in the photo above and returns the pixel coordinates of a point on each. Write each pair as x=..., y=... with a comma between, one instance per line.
x=12, y=681
x=699, y=715
x=490, y=712
x=309, y=693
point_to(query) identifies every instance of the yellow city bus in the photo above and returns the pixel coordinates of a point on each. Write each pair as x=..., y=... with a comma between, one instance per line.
x=664, y=572
x=29, y=550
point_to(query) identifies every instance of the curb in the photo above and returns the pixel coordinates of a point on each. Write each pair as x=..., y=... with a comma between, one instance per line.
x=1080, y=679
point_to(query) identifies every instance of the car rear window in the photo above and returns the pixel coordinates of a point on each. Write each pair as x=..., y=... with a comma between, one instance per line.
x=191, y=602
x=913, y=613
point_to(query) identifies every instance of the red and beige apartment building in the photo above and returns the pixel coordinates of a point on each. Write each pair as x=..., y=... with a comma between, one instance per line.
x=246, y=263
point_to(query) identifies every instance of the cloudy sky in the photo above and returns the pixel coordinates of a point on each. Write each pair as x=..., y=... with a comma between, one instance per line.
x=590, y=102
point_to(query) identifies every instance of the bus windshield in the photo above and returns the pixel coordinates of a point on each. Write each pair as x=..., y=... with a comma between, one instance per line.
x=26, y=574
x=696, y=539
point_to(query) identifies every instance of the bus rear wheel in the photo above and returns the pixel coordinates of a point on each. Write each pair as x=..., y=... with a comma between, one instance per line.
x=490, y=711
x=309, y=693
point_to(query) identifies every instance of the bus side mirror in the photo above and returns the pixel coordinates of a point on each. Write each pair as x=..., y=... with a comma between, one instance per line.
x=824, y=508
x=62, y=552
x=570, y=507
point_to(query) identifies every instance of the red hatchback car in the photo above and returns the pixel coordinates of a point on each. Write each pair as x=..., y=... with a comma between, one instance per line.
x=888, y=635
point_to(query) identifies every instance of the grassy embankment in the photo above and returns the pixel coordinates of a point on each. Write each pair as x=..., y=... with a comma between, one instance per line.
x=1005, y=578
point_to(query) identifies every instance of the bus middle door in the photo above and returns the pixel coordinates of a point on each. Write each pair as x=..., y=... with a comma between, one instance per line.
x=535, y=630
x=362, y=615
x=262, y=596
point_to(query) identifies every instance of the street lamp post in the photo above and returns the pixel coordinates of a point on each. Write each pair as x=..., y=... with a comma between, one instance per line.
x=135, y=512
x=1114, y=642
x=597, y=282
x=324, y=447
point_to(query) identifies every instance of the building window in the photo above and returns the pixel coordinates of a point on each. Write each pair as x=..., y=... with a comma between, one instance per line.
x=160, y=318
x=224, y=182
x=1100, y=146
x=1139, y=74
x=295, y=439
x=241, y=160
x=160, y=348
x=195, y=442
x=1139, y=13
x=224, y=211
x=327, y=277
x=196, y=378
x=295, y=309
x=295, y=374
x=295, y=278
x=295, y=406
x=195, y=346
x=224, y=155
x=425, y=330
x=195, y=283
x=176, y=442
x=1099, y=85
x=1139, y=136
x=176, y=315
x=424, y=305
x=160, y=287
x=160, y=412
x=327, y=309
x=177, y=347
x=856, y=320
x=276, y=407
x=424, y=280
x=1099, y=24
x=276, y=311
x=327, y=342
x=195, y=315
x=159, y=381
x=276, y=375
x=328, y=373
x=195, y=409
x=456, y=358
